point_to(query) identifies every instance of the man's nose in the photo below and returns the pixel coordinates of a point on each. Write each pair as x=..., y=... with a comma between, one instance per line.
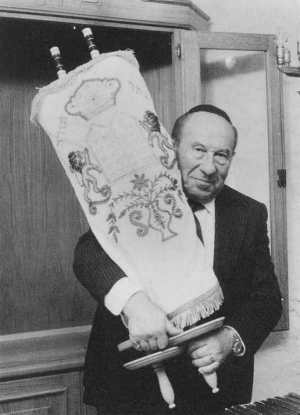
x=208, y=165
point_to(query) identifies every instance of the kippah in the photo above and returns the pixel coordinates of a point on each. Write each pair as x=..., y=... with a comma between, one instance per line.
x=210, y=108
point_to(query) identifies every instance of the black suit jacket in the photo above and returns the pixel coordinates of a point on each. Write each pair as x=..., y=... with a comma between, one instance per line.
x=252, y=305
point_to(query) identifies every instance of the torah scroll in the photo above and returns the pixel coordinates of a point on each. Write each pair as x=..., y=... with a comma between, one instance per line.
x=121, y=163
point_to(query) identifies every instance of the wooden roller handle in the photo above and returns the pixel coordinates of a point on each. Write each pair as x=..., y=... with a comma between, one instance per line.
x=127, y=344
x=212, y=381
x=165, y=385
x=183, y=337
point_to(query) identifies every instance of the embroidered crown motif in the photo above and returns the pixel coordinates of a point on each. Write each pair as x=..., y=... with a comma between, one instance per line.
x=92, y=97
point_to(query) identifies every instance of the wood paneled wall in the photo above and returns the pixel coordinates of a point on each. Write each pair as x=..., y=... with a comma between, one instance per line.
x=40, y=219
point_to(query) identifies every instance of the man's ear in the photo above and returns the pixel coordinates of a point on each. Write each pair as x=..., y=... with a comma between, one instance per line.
x=231, y=158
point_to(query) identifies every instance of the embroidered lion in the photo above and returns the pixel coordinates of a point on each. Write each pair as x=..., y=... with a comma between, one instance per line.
x=151, y=124
x=80, y=163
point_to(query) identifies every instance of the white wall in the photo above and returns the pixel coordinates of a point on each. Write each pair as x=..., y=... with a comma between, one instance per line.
x=278, y=362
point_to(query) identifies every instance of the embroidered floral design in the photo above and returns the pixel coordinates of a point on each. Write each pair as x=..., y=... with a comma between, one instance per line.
x=81, y=165
x=92, y=97
x=113, y=228
x=151, y=124
x=139, y=182
x=151, y=204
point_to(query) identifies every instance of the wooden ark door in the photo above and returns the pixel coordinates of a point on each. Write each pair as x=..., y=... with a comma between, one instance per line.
x=40, y=217
x=44, y=312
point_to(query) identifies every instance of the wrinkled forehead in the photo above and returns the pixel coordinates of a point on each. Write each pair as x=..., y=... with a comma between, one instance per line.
x=208, y=128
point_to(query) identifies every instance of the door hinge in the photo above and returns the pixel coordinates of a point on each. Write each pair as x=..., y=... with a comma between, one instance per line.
x=281, y=181
x=178, y=51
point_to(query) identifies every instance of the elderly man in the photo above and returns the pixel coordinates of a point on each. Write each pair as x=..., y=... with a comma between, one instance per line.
x=234, y=231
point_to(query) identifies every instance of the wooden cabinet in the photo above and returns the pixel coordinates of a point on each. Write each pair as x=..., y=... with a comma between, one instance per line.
x=157, y=13
x=41, y=372
x=44, y=313
x=57, y=394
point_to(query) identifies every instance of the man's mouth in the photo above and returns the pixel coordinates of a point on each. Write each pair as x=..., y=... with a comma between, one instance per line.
x=202, y=181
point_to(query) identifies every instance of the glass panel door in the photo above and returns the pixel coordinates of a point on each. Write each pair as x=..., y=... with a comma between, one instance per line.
x=238, y=73
x=235, y=81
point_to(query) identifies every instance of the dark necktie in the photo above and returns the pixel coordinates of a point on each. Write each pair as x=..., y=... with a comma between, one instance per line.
x=195, y=208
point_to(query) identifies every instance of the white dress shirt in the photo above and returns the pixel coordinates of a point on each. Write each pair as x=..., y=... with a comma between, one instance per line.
x=206, y=218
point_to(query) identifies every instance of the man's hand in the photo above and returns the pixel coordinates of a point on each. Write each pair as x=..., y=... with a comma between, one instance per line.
x=209, y=352
x=148, y=325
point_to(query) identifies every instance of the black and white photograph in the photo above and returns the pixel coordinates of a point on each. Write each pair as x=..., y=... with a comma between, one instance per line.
x=150, y=207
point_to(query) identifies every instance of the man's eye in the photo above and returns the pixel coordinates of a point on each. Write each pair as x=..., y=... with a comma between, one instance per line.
x=199, y=150
x=221, y=157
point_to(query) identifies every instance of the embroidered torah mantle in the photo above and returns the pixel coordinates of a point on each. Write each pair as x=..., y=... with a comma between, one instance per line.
x=121, y=163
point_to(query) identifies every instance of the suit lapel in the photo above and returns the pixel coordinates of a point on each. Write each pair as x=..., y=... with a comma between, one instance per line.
x=230, y=227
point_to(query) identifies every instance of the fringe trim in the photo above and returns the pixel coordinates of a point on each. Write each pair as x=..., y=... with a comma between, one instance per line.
x=58, y=84
x=197, y=309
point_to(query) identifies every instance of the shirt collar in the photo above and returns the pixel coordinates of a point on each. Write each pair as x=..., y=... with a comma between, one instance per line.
x=210, y=206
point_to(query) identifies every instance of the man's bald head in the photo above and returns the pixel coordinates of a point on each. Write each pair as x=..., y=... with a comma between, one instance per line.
x=202, y=108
